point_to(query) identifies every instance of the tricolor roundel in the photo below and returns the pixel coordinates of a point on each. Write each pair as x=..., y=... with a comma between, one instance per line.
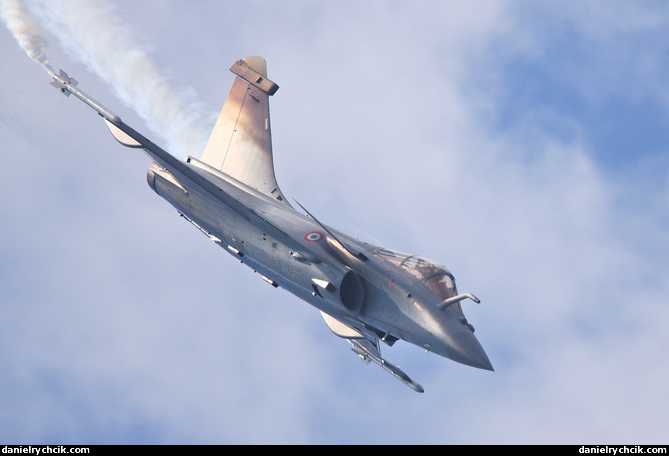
x=314, y=236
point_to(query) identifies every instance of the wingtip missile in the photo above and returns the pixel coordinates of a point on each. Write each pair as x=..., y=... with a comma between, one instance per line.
x=62, y=81
x=68, y=85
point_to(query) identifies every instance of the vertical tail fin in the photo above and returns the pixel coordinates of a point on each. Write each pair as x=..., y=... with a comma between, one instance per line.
x=241, y=142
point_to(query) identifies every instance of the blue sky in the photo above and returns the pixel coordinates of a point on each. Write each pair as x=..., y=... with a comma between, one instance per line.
x=522, y=144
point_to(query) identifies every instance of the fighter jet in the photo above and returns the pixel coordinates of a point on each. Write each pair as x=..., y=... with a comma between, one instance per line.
x=366, y=294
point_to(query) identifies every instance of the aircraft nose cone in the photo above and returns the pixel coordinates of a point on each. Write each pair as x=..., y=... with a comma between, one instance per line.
x=466, y=349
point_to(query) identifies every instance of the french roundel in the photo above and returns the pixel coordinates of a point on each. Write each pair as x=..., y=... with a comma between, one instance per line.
x=314, y=236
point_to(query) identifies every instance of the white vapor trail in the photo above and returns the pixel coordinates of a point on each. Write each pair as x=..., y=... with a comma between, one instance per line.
x=25, y=31
x=91, y=32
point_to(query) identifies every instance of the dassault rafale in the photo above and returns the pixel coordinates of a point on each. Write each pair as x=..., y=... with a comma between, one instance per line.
x=366, y=294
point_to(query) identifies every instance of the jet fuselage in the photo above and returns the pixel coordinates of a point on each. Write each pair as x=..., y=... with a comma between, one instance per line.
x=292, y=251
x=366, y=293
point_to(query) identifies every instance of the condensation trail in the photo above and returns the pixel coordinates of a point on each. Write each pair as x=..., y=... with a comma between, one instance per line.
x=91, y=32
x=25, y=31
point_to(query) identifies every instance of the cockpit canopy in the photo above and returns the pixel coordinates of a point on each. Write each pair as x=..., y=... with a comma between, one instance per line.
x=434, y=275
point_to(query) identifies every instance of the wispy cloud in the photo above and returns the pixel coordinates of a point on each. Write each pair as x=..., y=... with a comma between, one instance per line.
x=462, y=133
